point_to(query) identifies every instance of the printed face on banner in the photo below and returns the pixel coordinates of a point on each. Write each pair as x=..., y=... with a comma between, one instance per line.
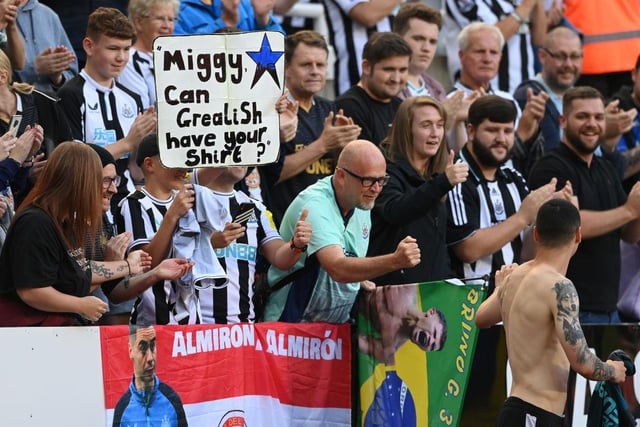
x=416, y=345
x=228, y=375
x=217, y=98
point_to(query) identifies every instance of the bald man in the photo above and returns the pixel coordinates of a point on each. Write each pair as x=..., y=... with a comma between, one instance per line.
x=326, y=279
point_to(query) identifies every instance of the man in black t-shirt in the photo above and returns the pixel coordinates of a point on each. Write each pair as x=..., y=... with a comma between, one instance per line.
x=373, y=102
x=607, y=213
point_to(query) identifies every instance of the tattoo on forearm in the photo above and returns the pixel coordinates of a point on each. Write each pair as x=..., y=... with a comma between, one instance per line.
x=102, y=270
x=568, y=310
x=602, y=371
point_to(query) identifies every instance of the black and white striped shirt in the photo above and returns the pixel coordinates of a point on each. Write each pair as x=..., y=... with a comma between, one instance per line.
x=517, y=60
x=102, y=116
x=142, y=214
x=478, y=203
x=232, y=302
x=348, y=39
x=98, y=114
x=138, y=76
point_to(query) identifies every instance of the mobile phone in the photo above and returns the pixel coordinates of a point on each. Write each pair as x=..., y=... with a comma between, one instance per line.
x=14, y=124
x=245, y=212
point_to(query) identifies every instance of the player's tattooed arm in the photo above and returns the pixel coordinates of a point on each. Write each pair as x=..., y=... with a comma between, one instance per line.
x=575, y=345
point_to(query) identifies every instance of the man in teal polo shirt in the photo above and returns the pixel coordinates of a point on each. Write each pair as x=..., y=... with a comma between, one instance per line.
x=334, y=265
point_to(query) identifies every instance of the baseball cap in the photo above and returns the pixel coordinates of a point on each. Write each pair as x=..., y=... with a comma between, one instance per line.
x=148, y=148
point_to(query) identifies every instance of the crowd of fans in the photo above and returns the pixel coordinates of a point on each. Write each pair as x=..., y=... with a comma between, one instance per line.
x=393, y=181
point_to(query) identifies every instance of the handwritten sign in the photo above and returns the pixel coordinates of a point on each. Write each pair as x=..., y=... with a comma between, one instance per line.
x=217, y=98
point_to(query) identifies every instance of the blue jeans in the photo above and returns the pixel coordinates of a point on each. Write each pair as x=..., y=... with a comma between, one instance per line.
x=587, y=317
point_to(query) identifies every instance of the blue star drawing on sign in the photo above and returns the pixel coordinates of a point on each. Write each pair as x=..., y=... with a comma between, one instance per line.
x=265, y=60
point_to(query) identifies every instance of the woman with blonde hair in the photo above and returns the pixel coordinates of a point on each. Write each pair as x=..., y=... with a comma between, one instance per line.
x=33, y=112
x=421, y=172
x=33, y=106
x=45, y=278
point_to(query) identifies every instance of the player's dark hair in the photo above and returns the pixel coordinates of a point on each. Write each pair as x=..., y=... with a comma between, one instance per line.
x=557, y=223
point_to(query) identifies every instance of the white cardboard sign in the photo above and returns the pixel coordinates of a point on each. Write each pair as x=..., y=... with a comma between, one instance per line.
x=217, y=98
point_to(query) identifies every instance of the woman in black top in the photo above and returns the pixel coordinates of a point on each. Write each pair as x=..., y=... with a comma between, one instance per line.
x=412, y=203
x=45, y=278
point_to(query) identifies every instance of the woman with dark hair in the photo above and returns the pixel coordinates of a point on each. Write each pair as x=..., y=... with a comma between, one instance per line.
x=45, y=278
x=421, y=173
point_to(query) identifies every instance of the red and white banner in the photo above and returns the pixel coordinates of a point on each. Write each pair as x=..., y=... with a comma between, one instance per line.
x=266, y=374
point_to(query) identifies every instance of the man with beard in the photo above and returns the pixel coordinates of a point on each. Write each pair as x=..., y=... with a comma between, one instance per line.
x=489, y=214
x=327, y=277
x=489, y=211
x=561, y=59
x=607, y=214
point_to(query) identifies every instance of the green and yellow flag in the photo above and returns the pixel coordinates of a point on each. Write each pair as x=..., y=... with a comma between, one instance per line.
x=415, y=350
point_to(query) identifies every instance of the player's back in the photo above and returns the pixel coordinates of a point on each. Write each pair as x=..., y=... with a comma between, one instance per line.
x=539, y=365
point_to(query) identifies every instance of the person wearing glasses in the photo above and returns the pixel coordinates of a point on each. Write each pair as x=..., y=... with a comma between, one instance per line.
x=45, y=274
x=324, y=283
x=151, y=19
x=421, y=171
x=561, y=59
x=118, y=294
